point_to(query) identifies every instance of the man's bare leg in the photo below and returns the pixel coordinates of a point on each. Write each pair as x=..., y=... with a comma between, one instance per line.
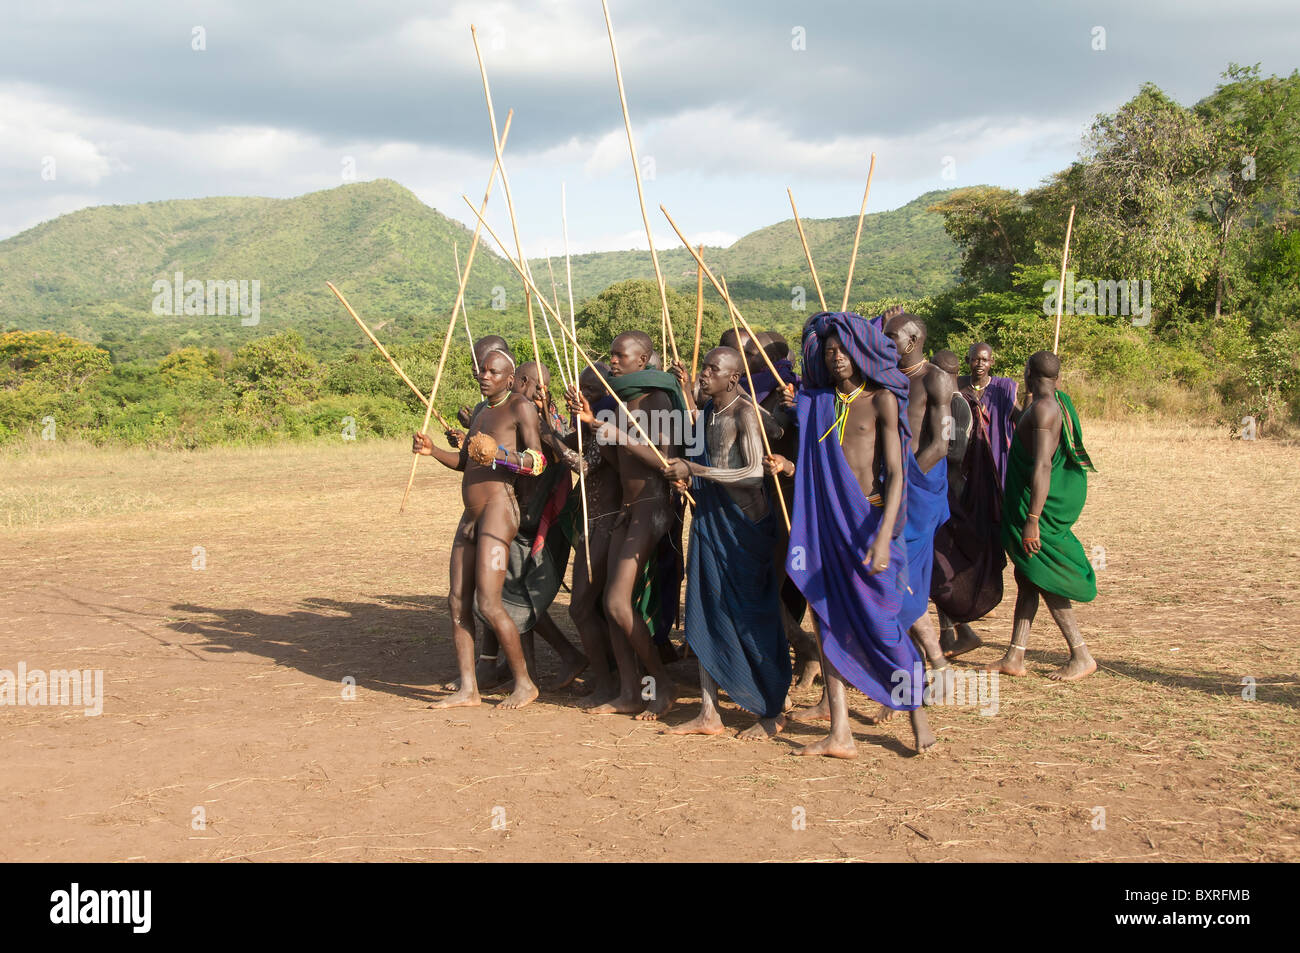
x=496, y=529
x=584, y=610
x=1013, y=662
x=460, y=606
x=630, y=546
x=820, y=711
x=708, y=721
x=572, y=662
x=1081, y=663
x=839, y=743
x=956, y=639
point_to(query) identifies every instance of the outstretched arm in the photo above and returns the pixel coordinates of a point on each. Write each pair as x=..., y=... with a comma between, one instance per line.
x=748, y=474
x=452, y=459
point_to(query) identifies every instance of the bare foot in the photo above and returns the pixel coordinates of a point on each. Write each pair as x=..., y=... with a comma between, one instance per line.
x=881, y=715
x=966, y=641
x=831, y=747
x=567, y=674
x=458, y=700
x=1080, y=666
x=452, y=686
x=763, y=729
x=921, y=731
x=818, y=712
x=1013, y=663
x=523, y=695
x=699, y=725
x=808, y=676
x=660, y=704
x=618, y=705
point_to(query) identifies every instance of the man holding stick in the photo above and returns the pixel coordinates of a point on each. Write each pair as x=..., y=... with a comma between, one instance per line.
x=645, y=517
x=733, y=622
x=503, y=438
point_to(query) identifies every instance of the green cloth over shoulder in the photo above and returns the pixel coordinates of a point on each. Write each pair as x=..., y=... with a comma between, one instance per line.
x=634, y=385
x=1061, y=567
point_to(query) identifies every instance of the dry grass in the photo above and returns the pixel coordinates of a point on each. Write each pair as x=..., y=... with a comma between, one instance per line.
x=223, y=685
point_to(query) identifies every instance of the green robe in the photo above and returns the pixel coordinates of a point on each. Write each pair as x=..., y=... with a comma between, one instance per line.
x=1061, y=567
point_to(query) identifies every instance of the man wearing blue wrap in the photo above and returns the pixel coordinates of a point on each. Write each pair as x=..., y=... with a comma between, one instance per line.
x=850, y=505
x=733, y=619
x=929, y=416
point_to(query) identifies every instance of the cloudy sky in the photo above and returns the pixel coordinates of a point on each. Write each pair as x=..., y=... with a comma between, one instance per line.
x=731, y=101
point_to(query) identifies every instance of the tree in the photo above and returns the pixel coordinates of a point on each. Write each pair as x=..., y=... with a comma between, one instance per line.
x=634, y=306
x=1255, y=124
x=1145, y=173
x=990, y=225
x=49, y=358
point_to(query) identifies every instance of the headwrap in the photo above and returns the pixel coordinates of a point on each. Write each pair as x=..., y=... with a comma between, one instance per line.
x=874, y=357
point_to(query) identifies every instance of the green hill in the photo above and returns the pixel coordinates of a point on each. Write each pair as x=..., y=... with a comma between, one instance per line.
x=91, y=273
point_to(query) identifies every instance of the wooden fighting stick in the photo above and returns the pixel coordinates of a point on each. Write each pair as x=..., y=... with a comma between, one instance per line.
x=1060, y=287
x=574, y=341
x=806, y=253
x=758, y=411
x=858, y=234
x=669, y=339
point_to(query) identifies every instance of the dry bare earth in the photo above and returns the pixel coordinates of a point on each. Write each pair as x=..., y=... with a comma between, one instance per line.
x=224, y=685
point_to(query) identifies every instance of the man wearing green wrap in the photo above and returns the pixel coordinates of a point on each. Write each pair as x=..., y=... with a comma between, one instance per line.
x=1046, y=485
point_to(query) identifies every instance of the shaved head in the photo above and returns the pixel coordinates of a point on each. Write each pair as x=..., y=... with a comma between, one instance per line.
x=497, y=357
x=728, y=360
x=946, y=360
x=529, y=369
x=1043, y=364
x=640, y=338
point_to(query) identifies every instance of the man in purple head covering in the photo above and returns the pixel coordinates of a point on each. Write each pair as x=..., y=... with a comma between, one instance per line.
x=845, y=554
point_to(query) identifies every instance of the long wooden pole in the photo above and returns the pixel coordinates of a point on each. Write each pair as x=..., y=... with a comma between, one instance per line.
x=806, y=253
x=460, y=302
x=669, y=339
x=573, y=325
x=382, y=350
x=853, y=259
x=560, y=362
x=581, y=350
x=699, y=318
x=1060, y=288
x=758, y=410
x=699, y=260
x=505, y=185
x=455, y=250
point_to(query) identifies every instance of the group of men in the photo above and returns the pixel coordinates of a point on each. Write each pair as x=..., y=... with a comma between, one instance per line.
x=870, y=523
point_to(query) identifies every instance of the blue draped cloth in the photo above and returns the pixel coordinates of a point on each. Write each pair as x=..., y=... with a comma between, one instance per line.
x=927, y=510
x=834, y=525
x=765, y=383
x=733, y=618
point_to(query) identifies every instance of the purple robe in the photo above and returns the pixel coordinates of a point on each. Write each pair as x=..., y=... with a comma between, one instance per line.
x=834, y=526
x=998, y=401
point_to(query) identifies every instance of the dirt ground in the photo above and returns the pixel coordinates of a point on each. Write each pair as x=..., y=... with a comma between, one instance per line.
x=224, y=686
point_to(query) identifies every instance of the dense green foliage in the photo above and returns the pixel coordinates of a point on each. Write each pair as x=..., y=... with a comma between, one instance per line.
x=1202, y=203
